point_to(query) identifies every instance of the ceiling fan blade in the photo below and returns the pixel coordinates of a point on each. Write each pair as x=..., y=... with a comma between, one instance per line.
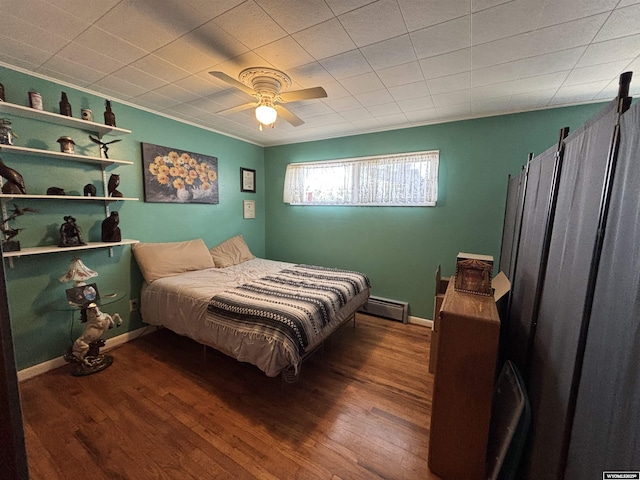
x=232, y=81
x=239, y=108
x=305, y=94
x=288, y=116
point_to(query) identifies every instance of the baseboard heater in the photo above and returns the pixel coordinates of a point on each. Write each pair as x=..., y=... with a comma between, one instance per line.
x=386, y=308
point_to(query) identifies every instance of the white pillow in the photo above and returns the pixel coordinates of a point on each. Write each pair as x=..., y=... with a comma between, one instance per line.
x=231, y=252
x=157, y=260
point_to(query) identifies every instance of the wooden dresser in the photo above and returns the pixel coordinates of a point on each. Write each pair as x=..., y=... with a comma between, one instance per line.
x=468, y=329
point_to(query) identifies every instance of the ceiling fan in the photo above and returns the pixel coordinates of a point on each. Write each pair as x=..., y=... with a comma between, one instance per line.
x=265, y=84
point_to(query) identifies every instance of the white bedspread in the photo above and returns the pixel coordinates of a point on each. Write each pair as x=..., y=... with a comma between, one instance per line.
x=180, y=303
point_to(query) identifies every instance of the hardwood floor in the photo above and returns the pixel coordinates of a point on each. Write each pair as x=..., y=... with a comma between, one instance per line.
x=360, y=410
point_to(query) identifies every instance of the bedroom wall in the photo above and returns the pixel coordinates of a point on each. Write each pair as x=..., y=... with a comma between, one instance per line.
x=399, y=248
x=41, y=333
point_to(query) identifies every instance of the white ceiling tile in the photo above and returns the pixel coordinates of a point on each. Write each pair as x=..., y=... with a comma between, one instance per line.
x=479, y=5
x=595, y=73
x=96, y=39
x=443, y=38
x=309, y=109
x=622, y=22
x=334, y=89
x=209, y=9
x=342, y=6
x=549, y=81
x=346, y=64
x=75, y=73
x=447, y=64
x=156, y=101
x=296, y=16
x=421, y=116
x=626, y=48
x=452, y=98
x=89, y=11
x=501, y=51
x=18, y=30
x=124, y=88
x=454, y=112
x=312, y=74
x=176, y=93
x=47, y=16
x=377, y=97
x=91, y=58
x=325, y=39
x=495, y=74
x=394, y=120
x=146, y=26
x=343, y=104
x=490, y=92
x=567, y=35
x=198, y=85
x=577, y=93
x=384, y=109
x=22, y=55
x=425, y=13
x=384, y=14
x=284, y=54
x=401, y=74
x=506, y=20
x=560, y=12
x=356, y=114
x=450, y=83
x=367, y=82
x=139, y=77
x=551, y=62
x=388, y=53
x=409, y=91
x=157, y=67
x=531, y=100
x=493, y=106
x=414, y=104
x=251, y=25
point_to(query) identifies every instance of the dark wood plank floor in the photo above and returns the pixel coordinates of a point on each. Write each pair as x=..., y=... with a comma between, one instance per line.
x=360, y=410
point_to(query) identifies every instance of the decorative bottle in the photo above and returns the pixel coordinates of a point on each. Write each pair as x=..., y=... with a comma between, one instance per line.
x=65, y=106
x=109, y=116
x=1, y=92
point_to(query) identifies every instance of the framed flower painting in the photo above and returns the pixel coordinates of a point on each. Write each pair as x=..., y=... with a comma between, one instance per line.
x=172, y=175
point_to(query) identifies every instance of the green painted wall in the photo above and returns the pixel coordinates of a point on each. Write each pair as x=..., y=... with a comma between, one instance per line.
x=400, y=247
x=41, y=333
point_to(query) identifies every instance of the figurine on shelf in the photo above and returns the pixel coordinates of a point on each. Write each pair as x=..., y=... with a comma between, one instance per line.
x=9, y=244
x=85, y=352
x=109, y=116
x=89, y=190
x=103, y=145
x=114, y=181
x=110, y=230
x=15, y=182
x=70, y=233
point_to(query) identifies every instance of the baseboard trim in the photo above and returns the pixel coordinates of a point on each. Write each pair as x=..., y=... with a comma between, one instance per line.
x=425, y=322
x=58, y=362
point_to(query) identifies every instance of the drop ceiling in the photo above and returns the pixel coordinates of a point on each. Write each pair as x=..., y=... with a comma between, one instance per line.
x=385, y=64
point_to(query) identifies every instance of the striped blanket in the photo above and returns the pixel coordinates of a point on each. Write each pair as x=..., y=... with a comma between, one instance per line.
x=293, y=306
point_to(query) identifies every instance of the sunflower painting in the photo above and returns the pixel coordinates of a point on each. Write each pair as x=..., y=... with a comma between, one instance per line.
x=175, y=176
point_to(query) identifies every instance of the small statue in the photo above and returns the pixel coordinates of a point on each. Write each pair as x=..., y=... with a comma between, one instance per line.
x=110, y=230
x=89, y=190
x=15, y=182
x=70, y=233
x=114, y=181
x=103, y=145
x=85, y=352
x=9, y=244
x=55, y=191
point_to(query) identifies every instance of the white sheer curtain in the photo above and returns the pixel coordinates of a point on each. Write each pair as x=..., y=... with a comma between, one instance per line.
x=408, y=179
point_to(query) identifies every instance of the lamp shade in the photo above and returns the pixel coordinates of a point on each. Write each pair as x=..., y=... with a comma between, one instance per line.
x=266, y=114
x=78, y=272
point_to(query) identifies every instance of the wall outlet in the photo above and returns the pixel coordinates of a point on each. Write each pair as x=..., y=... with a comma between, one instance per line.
x=133, y=305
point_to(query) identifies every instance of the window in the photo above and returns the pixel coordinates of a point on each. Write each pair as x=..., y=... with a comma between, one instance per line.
x=407, y=179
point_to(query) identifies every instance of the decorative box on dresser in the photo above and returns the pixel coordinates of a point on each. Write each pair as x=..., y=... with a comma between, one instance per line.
x=468, y=328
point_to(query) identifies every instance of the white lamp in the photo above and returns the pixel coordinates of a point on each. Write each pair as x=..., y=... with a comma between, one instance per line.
x=265, y=113
x=78, y=272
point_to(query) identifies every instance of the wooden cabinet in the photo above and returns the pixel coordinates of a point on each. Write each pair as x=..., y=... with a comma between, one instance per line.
x=468, y=335
x=441, y=289
x=101, y=162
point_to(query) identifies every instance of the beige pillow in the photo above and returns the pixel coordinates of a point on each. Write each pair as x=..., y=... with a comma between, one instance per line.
x=231, y=252
x=157, y=260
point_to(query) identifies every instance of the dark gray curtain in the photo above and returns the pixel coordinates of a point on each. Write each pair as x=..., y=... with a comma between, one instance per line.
x=606, y=431
x=558, y=325
x=512, y=215
x=525, y=277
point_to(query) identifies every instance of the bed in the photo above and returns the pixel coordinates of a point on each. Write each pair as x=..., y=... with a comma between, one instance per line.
x=271, y=314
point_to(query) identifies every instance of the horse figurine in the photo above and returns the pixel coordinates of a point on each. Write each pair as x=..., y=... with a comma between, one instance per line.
x=97, y=323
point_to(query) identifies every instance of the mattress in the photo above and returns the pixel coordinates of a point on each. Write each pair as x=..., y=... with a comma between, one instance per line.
x=180, y=303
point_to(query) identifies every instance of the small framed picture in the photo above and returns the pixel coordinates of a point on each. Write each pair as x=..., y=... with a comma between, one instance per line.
x=249, y=208
x=83, y=295
x=247, y=180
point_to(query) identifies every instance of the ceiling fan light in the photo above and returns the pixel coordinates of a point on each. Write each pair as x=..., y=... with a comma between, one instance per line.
x=266, y=115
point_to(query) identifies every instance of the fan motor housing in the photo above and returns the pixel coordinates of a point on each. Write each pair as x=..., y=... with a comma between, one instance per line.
x=265, y=81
